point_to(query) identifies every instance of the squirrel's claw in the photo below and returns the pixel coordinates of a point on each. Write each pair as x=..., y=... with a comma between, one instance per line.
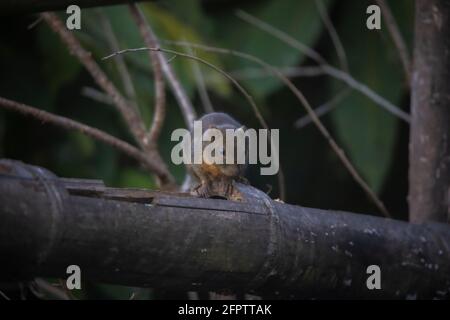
x=227, y=190
x=202, y=190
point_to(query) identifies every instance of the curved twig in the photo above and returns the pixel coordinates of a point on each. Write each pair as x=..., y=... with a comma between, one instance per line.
x=339, y=152
x=330, y=70
x=311, y=53
x=66, y=123
x=333, y=35
x=4, y=296
x=96, y=95
x=150, y=156
x=129, y=114
x=124, y=74
x=322, y=109
x=160, y=93
x=186, y=55
x=244, y=92
x=291, y=72
x=187, y=109
x=375, y=97
x=396, y=35
x=201, y=87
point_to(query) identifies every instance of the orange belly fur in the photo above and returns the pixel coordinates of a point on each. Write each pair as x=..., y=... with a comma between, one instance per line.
x=211, y=169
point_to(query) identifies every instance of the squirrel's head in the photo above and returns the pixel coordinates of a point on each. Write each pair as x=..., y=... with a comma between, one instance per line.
x=220, y=142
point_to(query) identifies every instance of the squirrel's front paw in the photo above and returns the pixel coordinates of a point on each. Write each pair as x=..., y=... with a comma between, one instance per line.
x=222, y=189
x=203, y=190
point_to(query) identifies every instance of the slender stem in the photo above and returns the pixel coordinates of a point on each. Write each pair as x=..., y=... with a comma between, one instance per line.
x=129, y=114
x=397, y=37
x=341, y=155
x=291, y=72
x=150, y=156
x=95, y=133
x=229, y=77
x=333, y=35
x=4, y=296
x=160, y=93
x=311, y=53
x=124, y=74
x=225, y=74
x=180, y=94
x=328, y=69
x=375, y=97
x=201, y=87
x=96, y=95
x=323, y=109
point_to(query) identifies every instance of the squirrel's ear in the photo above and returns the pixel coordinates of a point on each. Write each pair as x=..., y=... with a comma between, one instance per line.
x=242, y=127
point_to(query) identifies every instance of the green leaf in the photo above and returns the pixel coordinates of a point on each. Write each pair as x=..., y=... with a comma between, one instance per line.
x=367, y=131
x=299, y=19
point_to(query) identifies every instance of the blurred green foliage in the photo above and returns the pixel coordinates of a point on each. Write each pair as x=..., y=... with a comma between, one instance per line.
x=37, y=69
x=368, y=131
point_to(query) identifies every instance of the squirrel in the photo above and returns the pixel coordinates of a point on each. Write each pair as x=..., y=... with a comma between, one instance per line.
x=217, y=179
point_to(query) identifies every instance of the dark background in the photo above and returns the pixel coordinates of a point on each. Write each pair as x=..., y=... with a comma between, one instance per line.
x=36, y=69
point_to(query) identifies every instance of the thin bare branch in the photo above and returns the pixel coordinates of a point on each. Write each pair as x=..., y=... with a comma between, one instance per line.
x=342, y=56
x=291, y=72
x=4, y=296
x=171, y=59
x=396, y=35
x=96, y=95
x=122, y=68
x=129, y=114
x=309, y=52
x=339, y=152
x=34, y=23
x=362, y=88
x=69, y=124
x=201, y=87
x=160, y=93
x=244, y=92
x=180, y=94
x=323, y=109
x=330, y=70
x=225, y=74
